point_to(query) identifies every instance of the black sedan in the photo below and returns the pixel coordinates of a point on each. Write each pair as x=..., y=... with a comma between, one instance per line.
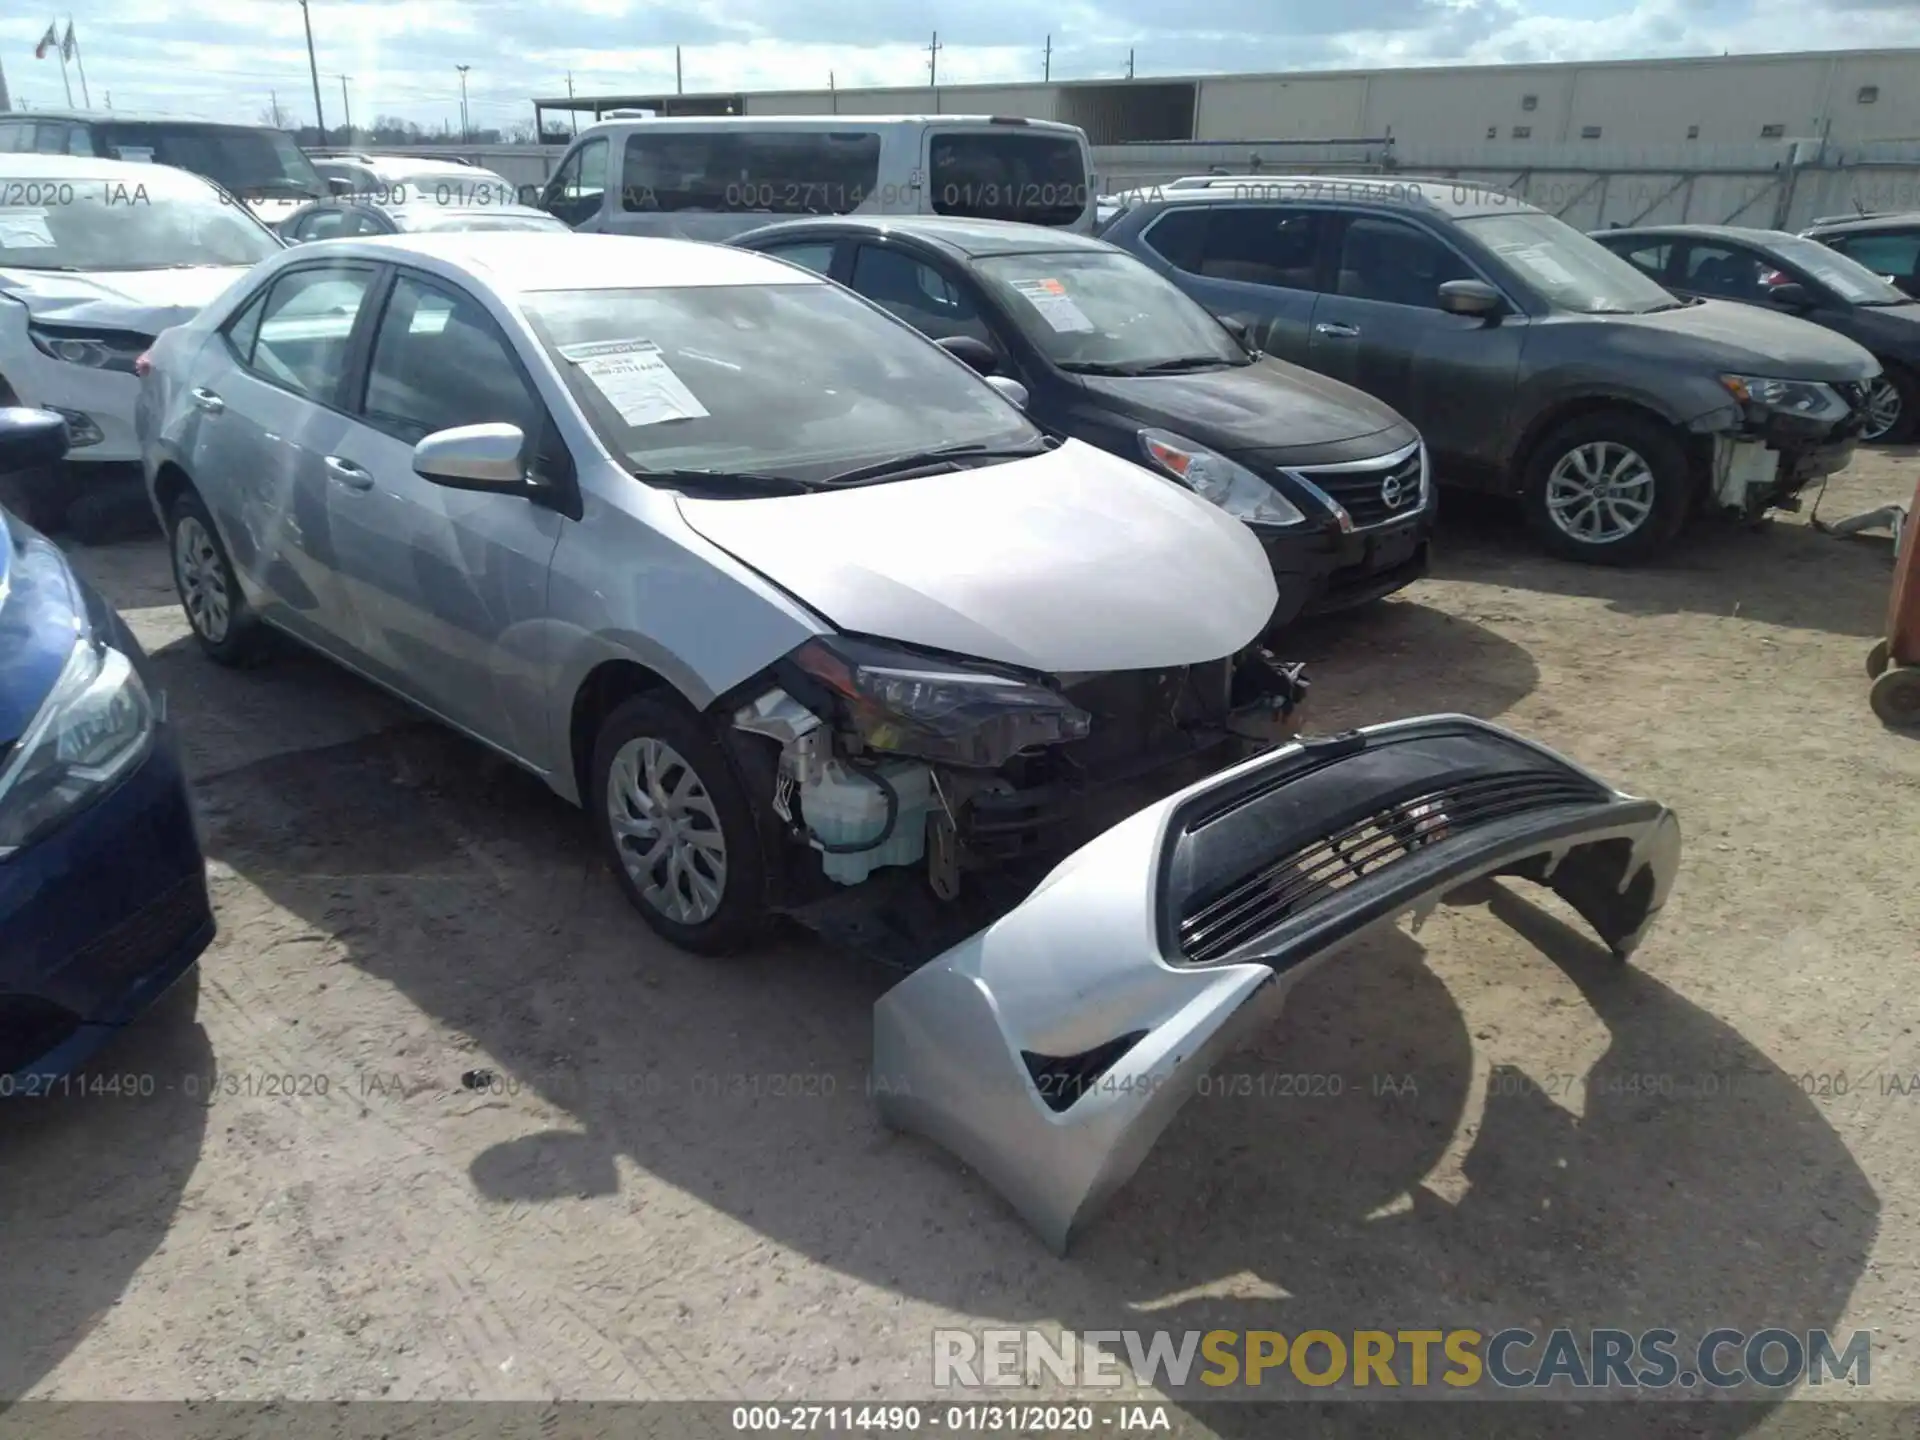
x=352, y=215
x=1333, y=482
x=103, y=892
x=1800, y=277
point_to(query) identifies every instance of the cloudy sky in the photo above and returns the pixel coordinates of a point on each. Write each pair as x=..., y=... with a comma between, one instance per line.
x=230, y=59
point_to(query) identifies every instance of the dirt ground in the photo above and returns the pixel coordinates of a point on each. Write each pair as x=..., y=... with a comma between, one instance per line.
x=397, y=910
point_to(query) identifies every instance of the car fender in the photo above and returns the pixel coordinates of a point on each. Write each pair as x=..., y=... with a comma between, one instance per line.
x=1546, y=399
x=1051, y=1049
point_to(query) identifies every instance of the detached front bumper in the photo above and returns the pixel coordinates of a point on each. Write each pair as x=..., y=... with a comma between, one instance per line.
x=1051, y=1049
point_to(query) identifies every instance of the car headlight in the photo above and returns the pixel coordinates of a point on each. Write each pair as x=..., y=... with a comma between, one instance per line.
x=96, y=725
x=901, y=703
x=1212, y=476
x=1808, y=399
x=95, y=349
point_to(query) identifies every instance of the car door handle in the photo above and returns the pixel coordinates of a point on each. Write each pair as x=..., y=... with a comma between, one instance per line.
x=208, y=401
x=1337, y=331
x=348, y=473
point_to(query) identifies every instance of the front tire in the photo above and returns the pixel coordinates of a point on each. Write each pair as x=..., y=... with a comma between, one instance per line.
x=222, y=620
x=1610, y=488
x=677, y=827
x=1893, y=408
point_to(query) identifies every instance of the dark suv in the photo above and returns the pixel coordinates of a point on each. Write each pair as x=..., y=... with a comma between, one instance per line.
x=1887, y=244
x=1534, y=361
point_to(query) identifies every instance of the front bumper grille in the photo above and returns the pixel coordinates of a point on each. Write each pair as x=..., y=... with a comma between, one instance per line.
x=1373, y=492
x=119, y=957
x=1213, y=929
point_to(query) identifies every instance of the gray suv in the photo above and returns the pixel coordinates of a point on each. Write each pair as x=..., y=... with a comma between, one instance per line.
x=1536, y=363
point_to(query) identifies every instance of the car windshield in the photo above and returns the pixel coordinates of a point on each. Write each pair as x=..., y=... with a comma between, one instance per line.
x=1568, y=269
x=95, y=224
x=1102, y=310
x=799, y=380
x=1848, y=279
x=253, y=163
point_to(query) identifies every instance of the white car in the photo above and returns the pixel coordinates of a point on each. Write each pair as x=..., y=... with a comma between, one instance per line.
x=811, y=621
x=97, y=257
x=415, y=180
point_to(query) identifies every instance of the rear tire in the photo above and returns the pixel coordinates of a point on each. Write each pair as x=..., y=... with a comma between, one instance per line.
x=700, y=879
x=222, y=620
x=1608, y=488
x=1877, y=659
x=1896, y=697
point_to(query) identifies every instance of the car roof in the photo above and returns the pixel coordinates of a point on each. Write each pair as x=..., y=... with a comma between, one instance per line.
x=963, y=238
x=89, y=167
x=1904, y=220
x=1752, y=234
x=516, y=262
x=414, y=164
x=1454, y=198
x=129, y=117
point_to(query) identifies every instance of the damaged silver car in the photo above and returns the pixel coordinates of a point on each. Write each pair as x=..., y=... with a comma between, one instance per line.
x=813, y=622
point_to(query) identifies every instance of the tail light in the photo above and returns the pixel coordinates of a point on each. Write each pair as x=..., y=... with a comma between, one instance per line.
x=143, y=364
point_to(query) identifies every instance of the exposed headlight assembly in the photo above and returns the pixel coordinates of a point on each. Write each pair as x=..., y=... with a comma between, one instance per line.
x=1808, y=399
x=94, y=349
x=1212, y=476
x=95, y=725
x=899, y=703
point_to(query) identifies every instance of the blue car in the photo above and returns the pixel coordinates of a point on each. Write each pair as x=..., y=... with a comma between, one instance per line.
x=103, y=893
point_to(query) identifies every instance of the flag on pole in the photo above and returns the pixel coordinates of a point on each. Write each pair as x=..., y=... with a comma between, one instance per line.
x=47, y=42
x=67, y=42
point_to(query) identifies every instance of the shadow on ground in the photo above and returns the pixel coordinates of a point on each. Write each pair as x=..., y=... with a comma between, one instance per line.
x=1778, y=574
x=1273, y=1209
x=89, y=1183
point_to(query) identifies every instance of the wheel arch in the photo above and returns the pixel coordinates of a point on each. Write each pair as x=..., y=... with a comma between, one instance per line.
x=1568, y=408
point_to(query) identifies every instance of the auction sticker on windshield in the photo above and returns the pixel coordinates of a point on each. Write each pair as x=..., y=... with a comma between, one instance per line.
x=24, y=230
x=637, y=381
x=1537, y=259
x=1055, y=305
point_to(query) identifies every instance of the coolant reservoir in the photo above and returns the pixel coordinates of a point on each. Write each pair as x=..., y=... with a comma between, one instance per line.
x=845, y=807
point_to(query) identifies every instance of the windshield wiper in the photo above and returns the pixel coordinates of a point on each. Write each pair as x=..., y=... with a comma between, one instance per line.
x=1179, y=364
x=728, y=482
x=926, y=459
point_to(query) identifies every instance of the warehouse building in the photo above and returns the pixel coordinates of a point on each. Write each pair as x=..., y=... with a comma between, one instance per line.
x=1844, y=98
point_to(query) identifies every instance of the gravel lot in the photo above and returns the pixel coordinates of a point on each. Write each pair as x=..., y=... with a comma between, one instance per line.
x=627, y=1218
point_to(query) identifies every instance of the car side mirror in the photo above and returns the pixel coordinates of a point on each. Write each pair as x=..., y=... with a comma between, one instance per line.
x=1471, y=297
x=31, y=438
x=976, y=353
x=1235, y=327
x=1013, y=390
x=474, y=457
x=338, y=186
x=1789, y=296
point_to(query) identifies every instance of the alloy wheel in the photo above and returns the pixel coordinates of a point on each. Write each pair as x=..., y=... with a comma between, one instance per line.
x=202, y=578
x=1883, y=409
x=1600, y=493
x=667, y=830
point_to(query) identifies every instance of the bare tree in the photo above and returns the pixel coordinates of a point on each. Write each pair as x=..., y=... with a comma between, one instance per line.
x=276, y=115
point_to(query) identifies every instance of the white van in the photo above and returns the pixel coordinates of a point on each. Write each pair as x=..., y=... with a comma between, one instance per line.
x=711, y=178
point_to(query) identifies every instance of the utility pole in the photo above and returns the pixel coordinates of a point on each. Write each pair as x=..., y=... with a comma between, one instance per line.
x=346, y=106
x=466, y=130
x=273, y=103
x=313, y=66
x=1129, y=64
x=679, y=87
x=933, y=61
x=1046, y=61
x=572, y=114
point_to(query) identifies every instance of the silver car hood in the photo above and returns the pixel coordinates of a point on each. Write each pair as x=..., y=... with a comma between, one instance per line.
x=1074, y=560
x=1050, y=1050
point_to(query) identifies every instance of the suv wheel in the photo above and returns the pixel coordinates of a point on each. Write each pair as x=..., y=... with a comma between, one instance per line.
x=1610, y=488
x=677, y=827
x=222, y=621
x=1893, y=408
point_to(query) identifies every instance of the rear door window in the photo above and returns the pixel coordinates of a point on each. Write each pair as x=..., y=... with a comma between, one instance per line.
x=1264, y=245
x=305, y=326
x=774, y=172
x=1180, y=238
x=1035, y=176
